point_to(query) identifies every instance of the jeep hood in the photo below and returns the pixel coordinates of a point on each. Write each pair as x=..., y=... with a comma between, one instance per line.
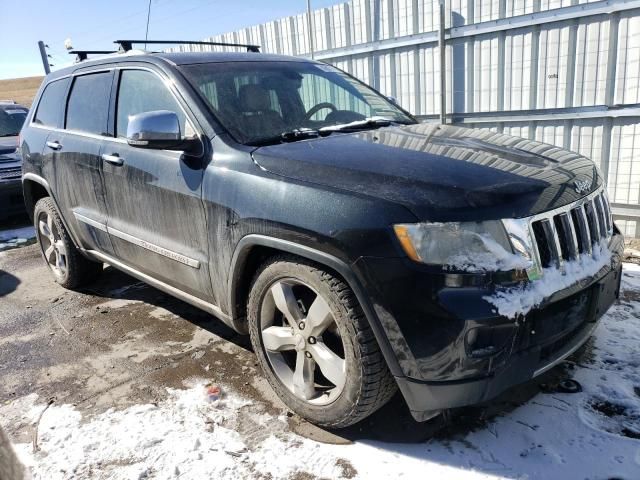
x=440, y=173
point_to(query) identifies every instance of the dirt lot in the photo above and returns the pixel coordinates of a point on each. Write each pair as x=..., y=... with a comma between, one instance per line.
x=125, y=367
x=21, y=90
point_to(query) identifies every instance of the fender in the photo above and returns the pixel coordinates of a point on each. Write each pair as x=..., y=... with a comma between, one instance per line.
x=41, y=181
x=344, y=270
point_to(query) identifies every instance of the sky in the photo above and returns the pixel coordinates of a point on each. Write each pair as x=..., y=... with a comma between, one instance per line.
x=94, y=25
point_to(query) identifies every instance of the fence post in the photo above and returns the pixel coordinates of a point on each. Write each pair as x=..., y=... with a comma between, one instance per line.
x=443, y=65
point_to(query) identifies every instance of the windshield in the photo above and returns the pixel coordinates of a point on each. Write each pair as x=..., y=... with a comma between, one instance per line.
x=258, y=102
x=11, y=120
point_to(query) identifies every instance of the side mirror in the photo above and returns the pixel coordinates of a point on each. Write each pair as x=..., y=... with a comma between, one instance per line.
x=392, y=100
x=160, y=130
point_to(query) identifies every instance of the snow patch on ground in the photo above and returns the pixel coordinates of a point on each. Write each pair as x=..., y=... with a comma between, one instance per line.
x=515, y=301
x=16, y=237
x=552, y=436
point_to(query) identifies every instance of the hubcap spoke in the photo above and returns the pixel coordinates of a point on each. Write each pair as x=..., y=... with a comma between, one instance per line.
x=319, y=316
x=303, y=384
x=285, y=301
x=331, y=365
x=48, y=252
x=50, y=227
x=278, y=339
x=61, y=248
x=44, y=229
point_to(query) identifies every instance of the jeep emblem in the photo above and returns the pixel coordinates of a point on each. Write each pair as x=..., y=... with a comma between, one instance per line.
x=582, y=185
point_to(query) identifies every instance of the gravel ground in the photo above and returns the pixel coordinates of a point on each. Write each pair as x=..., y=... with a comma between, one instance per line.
x=126, y=367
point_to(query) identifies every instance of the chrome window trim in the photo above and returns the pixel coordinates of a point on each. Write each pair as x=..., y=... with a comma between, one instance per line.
x=35, y=110
x=172, y=90
x=165, y=80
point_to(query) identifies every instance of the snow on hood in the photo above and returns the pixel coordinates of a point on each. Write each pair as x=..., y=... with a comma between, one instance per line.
x=511, y=302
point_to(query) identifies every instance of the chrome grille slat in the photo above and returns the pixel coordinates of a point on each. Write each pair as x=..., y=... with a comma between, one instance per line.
x=571, y=240
x=552, y=242
x=585, y=233
x=566, y=233
x=11, y=173
x=602, y=224
x=607, y=212
x=592, y=221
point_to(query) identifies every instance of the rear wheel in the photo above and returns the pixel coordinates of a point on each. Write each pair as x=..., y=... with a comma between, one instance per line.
x=70, y=269
x=315, y=345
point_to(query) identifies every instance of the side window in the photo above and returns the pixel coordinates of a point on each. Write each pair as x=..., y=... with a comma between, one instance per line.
x=88, y=107
x=51, y=103
x=142, y=91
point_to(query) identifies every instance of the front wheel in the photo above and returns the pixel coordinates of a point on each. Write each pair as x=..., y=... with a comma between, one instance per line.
x=315, y=345
x=70, y=269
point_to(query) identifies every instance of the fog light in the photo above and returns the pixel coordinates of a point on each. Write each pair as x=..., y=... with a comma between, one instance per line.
x=453, y=280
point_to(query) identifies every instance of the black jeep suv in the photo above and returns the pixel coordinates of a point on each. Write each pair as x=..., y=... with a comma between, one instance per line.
x=360, y=249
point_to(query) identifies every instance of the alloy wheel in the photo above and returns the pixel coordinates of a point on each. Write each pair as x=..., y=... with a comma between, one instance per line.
x=302, y=341
x=51, y=244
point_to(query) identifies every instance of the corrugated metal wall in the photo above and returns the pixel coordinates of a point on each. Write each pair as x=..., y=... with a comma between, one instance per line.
x=565, y=72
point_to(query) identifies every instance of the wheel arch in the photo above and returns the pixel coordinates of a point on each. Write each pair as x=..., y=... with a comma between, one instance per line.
x=253, y=249
x=34, y=187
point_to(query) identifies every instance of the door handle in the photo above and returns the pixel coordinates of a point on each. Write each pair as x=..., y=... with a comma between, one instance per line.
x=54, y=145
x=113, y=159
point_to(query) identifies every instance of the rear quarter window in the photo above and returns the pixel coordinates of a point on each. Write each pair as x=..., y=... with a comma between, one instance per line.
x=88, y=107
x=51, y=103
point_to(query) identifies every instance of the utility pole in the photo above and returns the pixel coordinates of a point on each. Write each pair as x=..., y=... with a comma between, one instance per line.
x=45, y=58
x=310, y=29
x=443, y=66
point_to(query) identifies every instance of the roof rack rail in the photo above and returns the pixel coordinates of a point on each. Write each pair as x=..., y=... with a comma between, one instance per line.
x=126, y=45
x=82, y=55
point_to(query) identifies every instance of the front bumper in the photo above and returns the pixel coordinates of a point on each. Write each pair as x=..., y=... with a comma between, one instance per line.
x=454, y=350
x=11, y=198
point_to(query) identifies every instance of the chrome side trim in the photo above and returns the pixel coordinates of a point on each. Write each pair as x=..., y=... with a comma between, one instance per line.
x=187, y=297
x=154, y=248
x=90, y=221
x=139, y=242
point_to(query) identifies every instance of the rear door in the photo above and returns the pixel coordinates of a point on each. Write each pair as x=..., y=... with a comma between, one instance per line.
x=77, y=163
x=156, y=216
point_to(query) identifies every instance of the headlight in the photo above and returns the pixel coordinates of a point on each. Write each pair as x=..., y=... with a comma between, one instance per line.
x=464, y=246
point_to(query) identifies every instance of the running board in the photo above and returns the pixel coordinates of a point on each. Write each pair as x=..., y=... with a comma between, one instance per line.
x=173, y=291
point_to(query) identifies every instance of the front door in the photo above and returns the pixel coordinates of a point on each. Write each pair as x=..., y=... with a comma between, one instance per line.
x=154, y=197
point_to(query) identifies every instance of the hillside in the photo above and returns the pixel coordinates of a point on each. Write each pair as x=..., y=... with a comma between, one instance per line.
x=22, y=90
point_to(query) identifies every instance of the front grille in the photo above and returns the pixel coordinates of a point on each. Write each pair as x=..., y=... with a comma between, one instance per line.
x=568, y=232
x=10, y=173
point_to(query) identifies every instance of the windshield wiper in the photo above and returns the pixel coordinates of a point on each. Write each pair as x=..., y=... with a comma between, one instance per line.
x=288, y=136
x=371, y=122
x=9, y=134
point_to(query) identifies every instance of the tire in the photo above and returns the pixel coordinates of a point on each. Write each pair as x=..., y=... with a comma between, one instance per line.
x=69, y=267
x=333, y=389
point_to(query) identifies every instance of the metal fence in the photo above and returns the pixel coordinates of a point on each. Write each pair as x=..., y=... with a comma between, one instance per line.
x=565, y=72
